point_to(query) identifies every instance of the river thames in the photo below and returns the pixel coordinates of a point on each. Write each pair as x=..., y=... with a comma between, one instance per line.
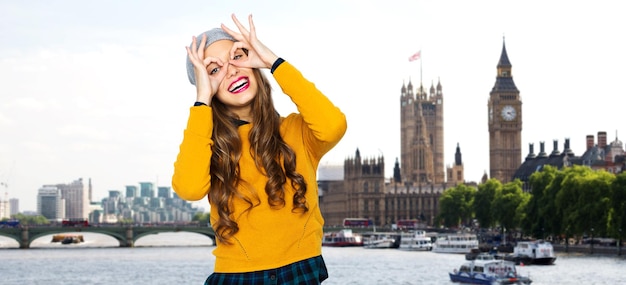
x=185, y=258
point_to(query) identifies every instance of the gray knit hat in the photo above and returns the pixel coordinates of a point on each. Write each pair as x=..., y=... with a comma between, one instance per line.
x=212, y=36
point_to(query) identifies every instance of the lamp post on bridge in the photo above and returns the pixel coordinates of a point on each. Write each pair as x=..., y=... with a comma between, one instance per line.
x=567, y=239
x=619, y=244
x=591, y=240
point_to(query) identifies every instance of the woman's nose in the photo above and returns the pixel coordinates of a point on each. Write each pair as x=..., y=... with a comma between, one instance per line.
x=232, y=70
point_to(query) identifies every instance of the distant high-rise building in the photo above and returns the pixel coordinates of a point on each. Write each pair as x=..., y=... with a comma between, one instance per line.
x=164, y=192
x=4, y=209
x=110, y=204
x=4, y=203
x=90, y=192
x=146, y=189
x=131, y=191
x=76, y=197
x=14, y=206
x=50, y=202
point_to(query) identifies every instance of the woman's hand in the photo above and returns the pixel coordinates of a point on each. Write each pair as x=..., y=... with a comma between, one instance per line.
x=259, y=56
x=206, y=84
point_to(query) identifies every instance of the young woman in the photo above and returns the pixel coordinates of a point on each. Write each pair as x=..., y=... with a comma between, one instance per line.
x=257, y=168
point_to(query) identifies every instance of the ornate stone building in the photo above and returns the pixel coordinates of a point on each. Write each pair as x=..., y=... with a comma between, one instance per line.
x=505, y=123
x=421, y=125
x=413, y=192
x=598, y=155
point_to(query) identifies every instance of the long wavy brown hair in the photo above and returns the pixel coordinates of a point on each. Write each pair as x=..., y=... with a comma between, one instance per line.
x=272, y=156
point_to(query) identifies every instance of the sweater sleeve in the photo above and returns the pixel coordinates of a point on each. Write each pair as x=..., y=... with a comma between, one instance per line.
x=325, y=122
x=191, y=179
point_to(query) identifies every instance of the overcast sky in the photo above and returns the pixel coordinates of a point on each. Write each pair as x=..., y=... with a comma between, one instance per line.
x=98, y=89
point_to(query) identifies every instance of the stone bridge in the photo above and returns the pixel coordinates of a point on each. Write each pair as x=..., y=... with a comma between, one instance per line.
x=126, y=235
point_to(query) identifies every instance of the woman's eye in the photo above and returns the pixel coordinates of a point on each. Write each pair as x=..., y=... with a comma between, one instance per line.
x=214, y=70
x=237, y=56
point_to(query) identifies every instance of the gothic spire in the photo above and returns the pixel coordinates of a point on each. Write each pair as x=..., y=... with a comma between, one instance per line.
x=504, y=57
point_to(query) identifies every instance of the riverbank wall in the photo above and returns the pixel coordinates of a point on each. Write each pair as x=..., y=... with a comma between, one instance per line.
x=587, y=249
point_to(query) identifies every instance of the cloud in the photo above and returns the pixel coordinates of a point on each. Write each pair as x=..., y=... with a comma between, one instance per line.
x=5, y=120
x=83, y=132
x=28, y=104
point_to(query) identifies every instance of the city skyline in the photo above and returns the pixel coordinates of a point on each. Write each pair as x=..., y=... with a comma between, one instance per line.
x=87, y=96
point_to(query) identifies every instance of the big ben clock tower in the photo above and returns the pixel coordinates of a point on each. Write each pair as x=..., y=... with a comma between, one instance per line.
x=505, y=123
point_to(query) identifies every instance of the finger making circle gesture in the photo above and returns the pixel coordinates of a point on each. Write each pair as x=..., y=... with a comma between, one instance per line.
x=206, y=85
x=259, y=56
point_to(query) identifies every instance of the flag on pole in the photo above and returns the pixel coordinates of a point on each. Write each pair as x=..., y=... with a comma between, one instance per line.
x=415, y=56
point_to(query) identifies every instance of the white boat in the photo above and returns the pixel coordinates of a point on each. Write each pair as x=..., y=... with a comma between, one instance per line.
x=455, y=243
x=342, y=238
x=381, y=240
x=532, y=252
x=415, y=240
x=488, y=271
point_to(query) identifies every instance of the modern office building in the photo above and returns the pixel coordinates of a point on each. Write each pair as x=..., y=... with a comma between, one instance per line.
x=4, y=209
x=131, y=191
x=14, y=206
x=164, y=192
x=76, y=199
x=146, y=189
x=166, y=208
x=50, y=203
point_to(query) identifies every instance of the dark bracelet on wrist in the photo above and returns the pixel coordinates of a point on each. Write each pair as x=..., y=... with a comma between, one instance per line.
x=199, y=104
x=276, y=64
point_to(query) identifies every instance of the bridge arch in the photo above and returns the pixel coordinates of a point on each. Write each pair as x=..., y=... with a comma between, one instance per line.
x=10, y=236
x=154, y=232
x=125, y=235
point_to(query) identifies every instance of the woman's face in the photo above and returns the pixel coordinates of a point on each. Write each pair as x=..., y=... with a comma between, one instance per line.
x=239, y=86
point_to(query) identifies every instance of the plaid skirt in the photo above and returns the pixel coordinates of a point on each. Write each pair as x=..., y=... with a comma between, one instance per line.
x=310, y=271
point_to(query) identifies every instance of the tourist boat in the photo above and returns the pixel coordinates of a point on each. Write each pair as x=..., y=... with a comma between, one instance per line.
x=381, y=240
x=477, y=251
x=415, y=240
x=485, y=269
x=455, y=243
x=342, y=238
x=532, y=252
x=67, y=239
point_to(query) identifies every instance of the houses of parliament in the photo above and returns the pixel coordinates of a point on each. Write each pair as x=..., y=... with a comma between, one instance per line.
x=419, y=177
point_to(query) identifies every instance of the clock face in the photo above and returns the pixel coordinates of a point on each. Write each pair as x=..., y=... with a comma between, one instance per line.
x=508, y=113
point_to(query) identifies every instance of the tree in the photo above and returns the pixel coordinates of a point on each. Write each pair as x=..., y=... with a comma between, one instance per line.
x=31, y=220
x=584, y=200
x=538, y=205
x=508, y=204
x=202, y=218
x=483, y=200
x=455, y=205
x=618, y=203
x=567, y=200
x=594, y=202
x=550, y=211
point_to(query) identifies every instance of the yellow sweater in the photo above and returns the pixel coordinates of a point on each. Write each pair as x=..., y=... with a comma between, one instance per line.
x=267, y=238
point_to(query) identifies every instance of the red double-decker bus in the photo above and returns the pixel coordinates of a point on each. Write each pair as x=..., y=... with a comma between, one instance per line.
x=409, y=224
x=357, y=222
x=75, y=223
